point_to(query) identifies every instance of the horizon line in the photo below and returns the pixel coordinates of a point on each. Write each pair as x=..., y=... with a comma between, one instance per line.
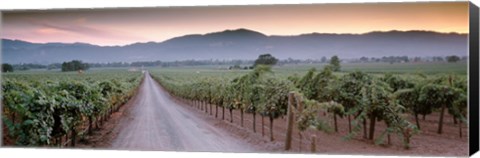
x=237, y=29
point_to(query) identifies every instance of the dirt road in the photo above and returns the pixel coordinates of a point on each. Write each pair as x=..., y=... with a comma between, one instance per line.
x=155, y=122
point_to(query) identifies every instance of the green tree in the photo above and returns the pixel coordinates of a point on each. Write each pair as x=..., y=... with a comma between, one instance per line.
x=321, y=88
x=336, y=109
x=325, y=85
x=452, y=59
x=306, y=84
x=409, y=99
x=460, y=110
x=274, y=99
x=324, y=59
x=335, y=63
x=7, y=68
x=375, y=98
x=439, y=96
x=349, y=88
x=249, y=87
x=265, y=59
x=396, y=82
x=74, y=65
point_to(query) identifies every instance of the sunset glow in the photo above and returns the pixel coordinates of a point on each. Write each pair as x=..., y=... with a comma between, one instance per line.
x=126, y=26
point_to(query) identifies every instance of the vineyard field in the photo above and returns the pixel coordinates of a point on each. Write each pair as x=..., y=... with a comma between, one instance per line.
x=46, y=108
x=393, y=79
x=333, y=106
x=377, y=69
x=399, y=96
x=430, y=68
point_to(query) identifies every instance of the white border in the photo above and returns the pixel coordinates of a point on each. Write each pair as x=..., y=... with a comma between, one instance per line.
x=74, y=153
x=35, y=4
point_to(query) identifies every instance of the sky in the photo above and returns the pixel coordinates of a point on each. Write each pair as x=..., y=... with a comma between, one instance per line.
x=123, y=26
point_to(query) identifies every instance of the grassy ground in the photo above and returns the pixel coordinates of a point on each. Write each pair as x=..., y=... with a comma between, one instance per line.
x=377, y=69
x=40, y=75
x=427, y=68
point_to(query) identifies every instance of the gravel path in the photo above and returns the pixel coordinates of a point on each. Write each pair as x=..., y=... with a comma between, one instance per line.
x=155, y=122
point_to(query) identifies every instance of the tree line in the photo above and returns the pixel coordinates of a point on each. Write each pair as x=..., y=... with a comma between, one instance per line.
x=406, y=59
x=242, y=64
x=74, y=65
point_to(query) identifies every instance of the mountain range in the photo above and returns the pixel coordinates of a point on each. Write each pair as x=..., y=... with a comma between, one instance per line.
x=245, y=44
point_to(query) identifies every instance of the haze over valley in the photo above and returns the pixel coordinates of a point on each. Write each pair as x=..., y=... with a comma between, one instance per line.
x=244, y=44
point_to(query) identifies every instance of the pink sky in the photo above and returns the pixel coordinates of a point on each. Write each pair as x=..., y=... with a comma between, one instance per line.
x=126, y=26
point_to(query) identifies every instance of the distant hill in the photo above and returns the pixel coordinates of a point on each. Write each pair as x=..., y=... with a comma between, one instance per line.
x=245, y=44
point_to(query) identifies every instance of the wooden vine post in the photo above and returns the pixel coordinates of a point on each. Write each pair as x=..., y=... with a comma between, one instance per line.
x=313, y=146
x=263, y=128
x=216, y=111
x=205, y=105
x=299, y=108
x=74, y=136
x=254, y=122
x=460, y=128
x=288, y=140
x=211, y=113
x=223, y=112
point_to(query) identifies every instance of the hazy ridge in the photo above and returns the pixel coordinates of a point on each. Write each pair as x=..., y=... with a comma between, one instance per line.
x=245, y=44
